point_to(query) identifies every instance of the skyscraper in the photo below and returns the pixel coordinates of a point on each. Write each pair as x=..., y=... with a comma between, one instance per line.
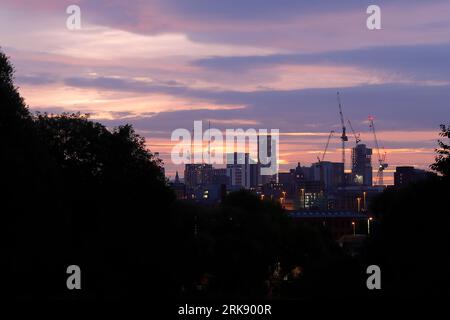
x=255, y=174
x=362, y=165
x=220, y=177
x=266, y=178
x=238, y=169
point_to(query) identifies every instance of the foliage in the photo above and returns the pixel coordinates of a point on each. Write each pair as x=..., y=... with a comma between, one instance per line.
x=442, y=164
x=412, y=244
x=74, y=192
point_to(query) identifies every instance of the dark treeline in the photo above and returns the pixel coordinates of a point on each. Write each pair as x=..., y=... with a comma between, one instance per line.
x=75, y=192
x=412, y=244
x=235, y=250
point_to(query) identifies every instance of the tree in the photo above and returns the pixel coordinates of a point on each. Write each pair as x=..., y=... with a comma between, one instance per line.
x=13, y=112
x=117, y=199
x=442, y=164
x=74, y=192
x=30, y=209
x=412, y=244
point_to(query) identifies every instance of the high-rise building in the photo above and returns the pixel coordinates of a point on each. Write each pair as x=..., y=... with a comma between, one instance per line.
x=238, y=169
x=362, y=165
x=263, y=179
x=255, y=174
x=220, y=177
x=196, y=174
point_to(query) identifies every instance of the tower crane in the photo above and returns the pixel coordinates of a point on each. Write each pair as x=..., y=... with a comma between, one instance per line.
x=356, y=135
x=326, y=147
x=381, y=159
x=344, y=137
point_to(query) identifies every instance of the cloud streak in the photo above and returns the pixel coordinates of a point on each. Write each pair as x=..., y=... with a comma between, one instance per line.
x=418, y=62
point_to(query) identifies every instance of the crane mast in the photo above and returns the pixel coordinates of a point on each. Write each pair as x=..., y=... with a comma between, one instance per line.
x=344, y=137
x=381, y=159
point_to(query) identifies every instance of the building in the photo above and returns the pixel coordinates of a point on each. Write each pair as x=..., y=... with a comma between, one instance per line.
x=405, y=175
x=210, y=194
x=305, y=186
x=263, y=179
x=255, y=174
x=238, y=169
x=220, y=177
x=286, y=178
x=290, y=184
x=331, y=174
x=196, y=174
x=276, y=191
x=307, y=173
x=353, y=198
x=311, y=195
x=362, y=165
x=295, y=176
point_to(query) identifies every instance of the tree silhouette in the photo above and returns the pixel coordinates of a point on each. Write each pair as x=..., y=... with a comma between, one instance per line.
x=239, y=244
x=412, y=244
x=30, y=206
x=442, y=164
x=74, y=192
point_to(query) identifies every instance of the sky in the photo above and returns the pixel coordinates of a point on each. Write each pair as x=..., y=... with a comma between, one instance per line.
x=161, y=64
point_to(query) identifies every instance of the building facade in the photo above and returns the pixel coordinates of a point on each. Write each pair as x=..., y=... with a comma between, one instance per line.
x=362, y=165
x=238, y=169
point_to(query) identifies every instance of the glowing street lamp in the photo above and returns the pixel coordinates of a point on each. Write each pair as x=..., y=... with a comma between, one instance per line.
x=364, y=195
x=283, y=198
x=359, y=203
x=368, y=225
x=302, y=197
x=354, y=227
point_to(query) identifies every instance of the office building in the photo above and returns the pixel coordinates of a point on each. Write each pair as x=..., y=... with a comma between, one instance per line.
x=331, y=174
x=238, y=169
x=263, y=179
x=196, y=174
x=362, y=165
x=406, y=174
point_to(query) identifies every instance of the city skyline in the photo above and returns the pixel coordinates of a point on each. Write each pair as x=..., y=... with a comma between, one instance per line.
x=160, y=65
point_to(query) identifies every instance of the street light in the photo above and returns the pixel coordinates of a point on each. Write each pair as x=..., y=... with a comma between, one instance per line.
x=302, y=197
x=364, y=195
x=359, y=203
x=368, y=225
x=354, y=228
